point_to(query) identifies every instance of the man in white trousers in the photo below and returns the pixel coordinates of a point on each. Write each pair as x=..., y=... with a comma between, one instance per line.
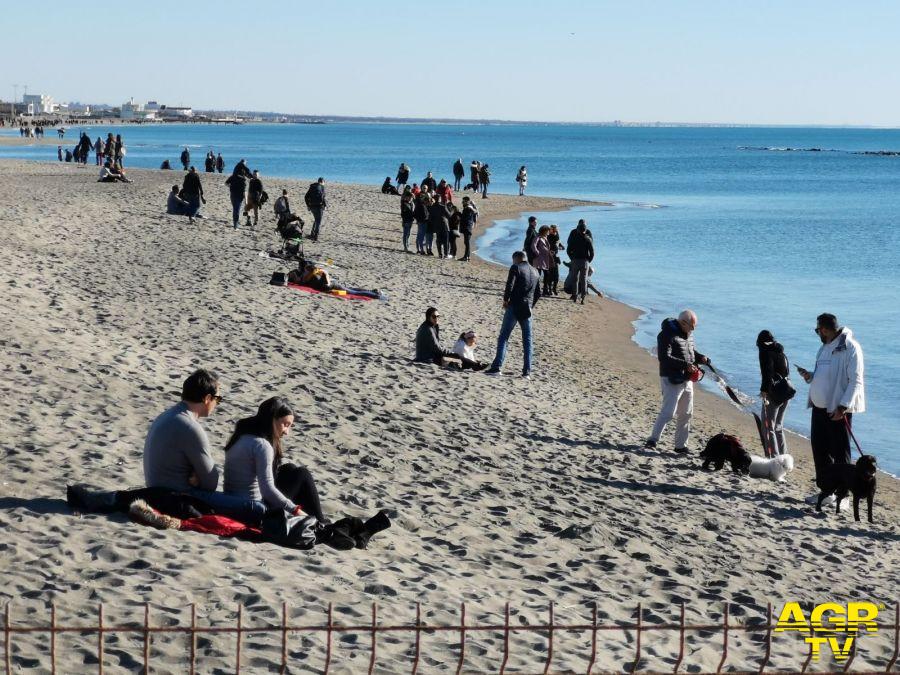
x=679, y=365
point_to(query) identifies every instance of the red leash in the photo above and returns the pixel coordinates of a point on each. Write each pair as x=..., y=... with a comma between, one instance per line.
x=850, y=431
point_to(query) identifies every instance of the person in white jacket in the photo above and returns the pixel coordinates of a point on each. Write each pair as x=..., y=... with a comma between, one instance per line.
x=836, y=393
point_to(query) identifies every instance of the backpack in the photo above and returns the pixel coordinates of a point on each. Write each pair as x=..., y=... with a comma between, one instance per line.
x=312, y=196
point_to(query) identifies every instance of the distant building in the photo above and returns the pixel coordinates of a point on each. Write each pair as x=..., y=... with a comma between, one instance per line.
x=131, y=110
x=38, y=104
x=169, y=112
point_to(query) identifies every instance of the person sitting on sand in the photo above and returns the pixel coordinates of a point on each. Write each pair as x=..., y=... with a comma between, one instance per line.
x=254, y=468
x=165, y=166
x=318, y=279
x=428, y=344
x=176, y=450
x=109, y=174
x=465, y=348
x=176, y=206
x=387, y=188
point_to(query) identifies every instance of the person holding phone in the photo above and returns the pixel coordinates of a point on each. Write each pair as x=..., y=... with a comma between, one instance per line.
x=836, y=393
x=775, y=373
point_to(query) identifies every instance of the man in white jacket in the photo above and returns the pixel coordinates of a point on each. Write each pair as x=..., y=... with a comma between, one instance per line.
x=836, y=392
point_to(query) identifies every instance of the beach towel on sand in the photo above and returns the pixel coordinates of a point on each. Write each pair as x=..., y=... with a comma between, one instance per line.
x=343, y=295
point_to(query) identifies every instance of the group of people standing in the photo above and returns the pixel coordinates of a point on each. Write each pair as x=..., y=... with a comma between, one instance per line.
x=439, y=222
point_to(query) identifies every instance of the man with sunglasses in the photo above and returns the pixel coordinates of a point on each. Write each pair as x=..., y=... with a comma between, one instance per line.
x=836, y=392
x=176, y=450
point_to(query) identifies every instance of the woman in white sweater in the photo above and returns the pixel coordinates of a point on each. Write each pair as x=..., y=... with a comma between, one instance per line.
x=254, y=468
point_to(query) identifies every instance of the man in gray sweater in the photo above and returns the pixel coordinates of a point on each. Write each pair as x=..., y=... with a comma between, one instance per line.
x=176, y=451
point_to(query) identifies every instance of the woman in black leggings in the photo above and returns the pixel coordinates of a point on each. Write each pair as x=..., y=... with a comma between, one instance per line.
x=254, y=467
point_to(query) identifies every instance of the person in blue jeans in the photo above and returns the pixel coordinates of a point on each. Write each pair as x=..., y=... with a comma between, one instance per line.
x=177, y=451
x=522, y=292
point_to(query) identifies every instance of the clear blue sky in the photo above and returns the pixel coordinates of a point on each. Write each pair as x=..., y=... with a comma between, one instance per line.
x=781, y=62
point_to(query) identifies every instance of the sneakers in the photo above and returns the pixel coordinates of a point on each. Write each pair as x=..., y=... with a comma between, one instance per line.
x=650, y=444
x=493, y=372
x=526, y=376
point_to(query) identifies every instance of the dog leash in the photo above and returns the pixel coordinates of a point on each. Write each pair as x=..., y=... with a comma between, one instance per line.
x=850, y=431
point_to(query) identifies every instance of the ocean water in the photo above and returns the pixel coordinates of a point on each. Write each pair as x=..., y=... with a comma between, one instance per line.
x=726, y=221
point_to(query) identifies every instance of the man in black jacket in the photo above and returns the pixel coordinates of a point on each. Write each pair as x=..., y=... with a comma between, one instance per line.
x=523, y=290
x=530, y=235
x=580, y=248
x=678, y=365
x=315, y=202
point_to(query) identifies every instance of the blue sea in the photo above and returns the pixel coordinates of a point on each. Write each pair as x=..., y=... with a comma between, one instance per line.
x=747, y=226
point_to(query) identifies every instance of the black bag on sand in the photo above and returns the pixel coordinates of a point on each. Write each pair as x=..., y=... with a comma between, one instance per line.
x=285, y=529
x=278, y=279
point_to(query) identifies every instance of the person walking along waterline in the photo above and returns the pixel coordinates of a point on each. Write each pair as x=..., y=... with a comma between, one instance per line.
x=522, y=180
x=467, y=219
x=459, y=172
x=580, y=248
x=836, y=393
x=773, y=368
x=522, y=292
x=315, y=202
x=185, y=158
x=678, y=361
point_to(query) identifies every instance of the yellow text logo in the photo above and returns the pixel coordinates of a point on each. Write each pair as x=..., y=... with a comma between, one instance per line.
x=831, y=624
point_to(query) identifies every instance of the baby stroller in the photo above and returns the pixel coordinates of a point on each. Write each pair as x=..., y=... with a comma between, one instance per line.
x=290, y=228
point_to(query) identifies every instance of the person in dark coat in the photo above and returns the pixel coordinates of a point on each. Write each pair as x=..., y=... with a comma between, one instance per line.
x=523, y=290
x=420, y=213
x=459, y=173
x=429, y=182
x=530, y=234
x=192, y=193
x=402, y=175
x=580, y=248
x=773, y=366
x=468, y=217
x=185, y=158
x=220, y=163
x=439, y=226
x=237, y=188
x=316, y=203
x=679, y=364
x=484, y=177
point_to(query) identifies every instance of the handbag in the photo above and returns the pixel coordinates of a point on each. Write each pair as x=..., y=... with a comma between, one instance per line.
x=781, y=391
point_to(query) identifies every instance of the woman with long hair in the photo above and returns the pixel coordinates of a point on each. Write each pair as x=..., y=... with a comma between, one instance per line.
x=773, y=367
x=254, y=465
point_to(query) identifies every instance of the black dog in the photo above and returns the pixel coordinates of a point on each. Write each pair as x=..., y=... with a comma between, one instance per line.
x=841, y=479
x=723, y=448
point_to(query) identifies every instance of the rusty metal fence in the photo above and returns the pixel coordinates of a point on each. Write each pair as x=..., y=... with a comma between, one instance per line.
x=285, y=629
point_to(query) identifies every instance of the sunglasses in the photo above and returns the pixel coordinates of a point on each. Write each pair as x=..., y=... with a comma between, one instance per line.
x=817, y=331
x=217, y=398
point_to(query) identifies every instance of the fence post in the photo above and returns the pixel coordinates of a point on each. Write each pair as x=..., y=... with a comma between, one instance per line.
x=593, y=640
x=146, y=638
x=505, y=639
x=415, y=666
x=53, y=638
x=637, y=655
x=237, y=657
x=283, y=638
x=6, y=641
x=893, y=660
x=462, y=637
x=374, y=634
x=549, y=642
x=328, y=642
x=724, y=640
x=765, y=662
x=193, y=636
x=680, y=641
x=100, y=638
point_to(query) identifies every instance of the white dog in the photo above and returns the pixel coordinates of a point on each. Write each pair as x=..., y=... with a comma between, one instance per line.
x=775, y=468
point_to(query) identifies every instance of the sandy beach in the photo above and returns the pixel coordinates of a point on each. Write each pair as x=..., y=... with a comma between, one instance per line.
x=500, y=490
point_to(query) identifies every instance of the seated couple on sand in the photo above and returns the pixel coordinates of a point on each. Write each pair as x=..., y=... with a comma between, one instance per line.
x=258, y=487
x=429, y=349
x=110, y=174
x=314, y=277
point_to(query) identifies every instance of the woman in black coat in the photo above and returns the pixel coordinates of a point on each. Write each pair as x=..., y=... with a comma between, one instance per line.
x=773, y=367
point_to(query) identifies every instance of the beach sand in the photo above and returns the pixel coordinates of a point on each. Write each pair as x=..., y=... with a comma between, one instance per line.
x=500, y=490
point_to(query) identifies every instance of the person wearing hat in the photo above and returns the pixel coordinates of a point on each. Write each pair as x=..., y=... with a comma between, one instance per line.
x=523, y=290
